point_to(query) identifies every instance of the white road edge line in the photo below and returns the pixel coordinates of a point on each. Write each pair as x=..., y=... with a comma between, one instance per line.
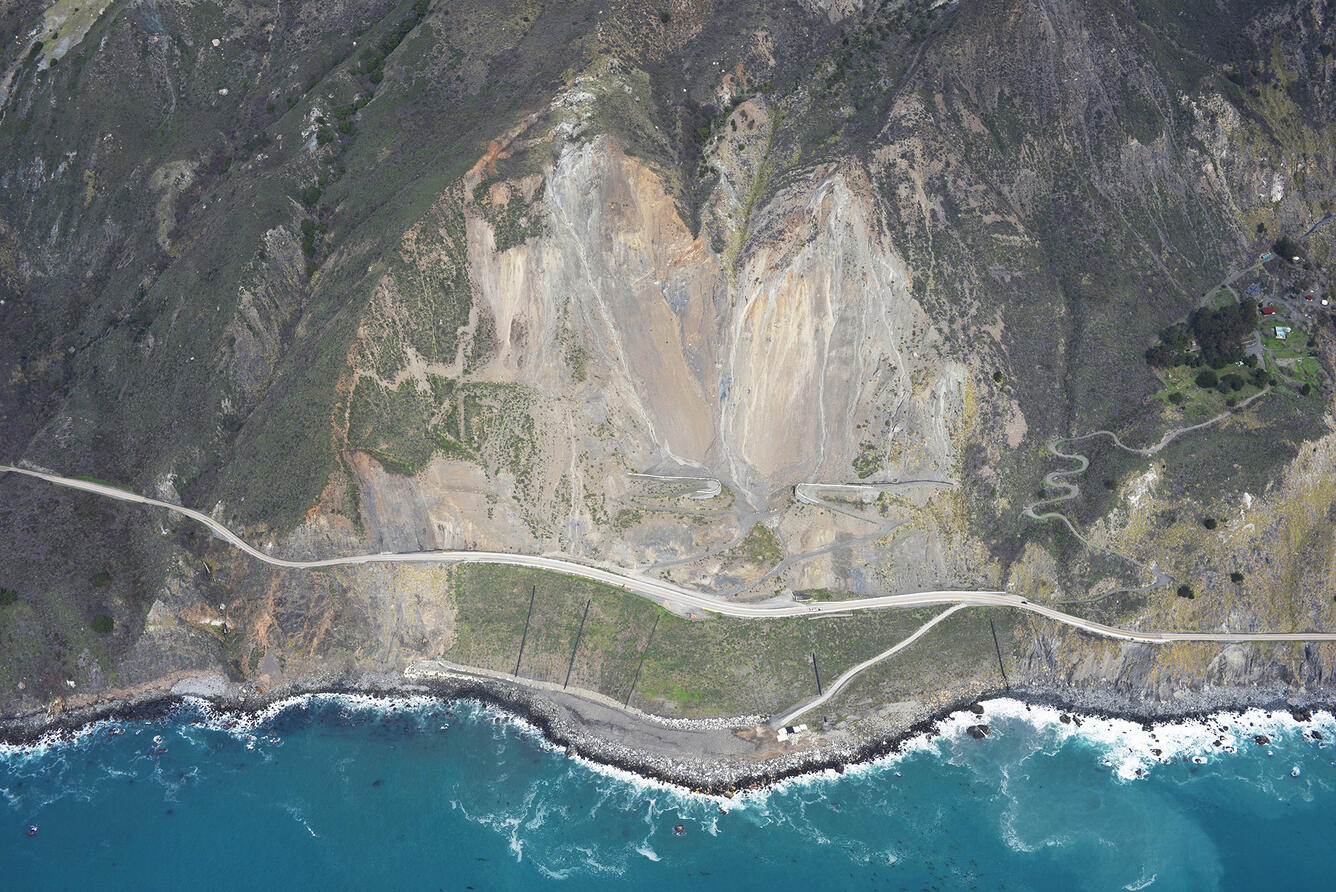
x=664, y=592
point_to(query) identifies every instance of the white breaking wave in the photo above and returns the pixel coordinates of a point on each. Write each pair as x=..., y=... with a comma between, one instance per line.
x=1128, y=748
x=1132, y=750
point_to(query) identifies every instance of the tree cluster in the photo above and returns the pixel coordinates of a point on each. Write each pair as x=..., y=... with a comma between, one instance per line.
x=1172, y=349
x=1220, y=333
x=1286, y=248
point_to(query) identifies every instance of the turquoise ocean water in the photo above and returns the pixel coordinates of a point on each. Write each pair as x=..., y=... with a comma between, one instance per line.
x=336, y=793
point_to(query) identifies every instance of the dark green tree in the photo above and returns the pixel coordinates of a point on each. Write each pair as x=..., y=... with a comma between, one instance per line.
x=1162, y=356
x=1287, y=248
x=1220, y=333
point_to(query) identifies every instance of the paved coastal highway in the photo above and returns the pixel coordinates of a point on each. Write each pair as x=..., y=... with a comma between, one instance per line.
x=668, y=593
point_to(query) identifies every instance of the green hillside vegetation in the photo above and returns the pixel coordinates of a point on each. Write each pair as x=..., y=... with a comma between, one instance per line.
x=708, y=666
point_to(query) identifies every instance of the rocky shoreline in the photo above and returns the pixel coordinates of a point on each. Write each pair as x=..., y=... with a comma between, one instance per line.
x=725, y=776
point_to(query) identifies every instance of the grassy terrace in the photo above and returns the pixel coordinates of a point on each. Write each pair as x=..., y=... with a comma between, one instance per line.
x=1220, y=298
x=710, y=666
x=1287, y=359
x=1290, y=357
x=957, y=650
x=1200, y=403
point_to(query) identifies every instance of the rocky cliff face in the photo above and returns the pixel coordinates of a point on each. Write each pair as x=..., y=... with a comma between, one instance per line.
x=768, y=298
x=625, y=344
x=757, y=371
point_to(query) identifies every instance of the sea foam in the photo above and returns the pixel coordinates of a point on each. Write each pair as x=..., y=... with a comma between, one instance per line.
x=1130, y=749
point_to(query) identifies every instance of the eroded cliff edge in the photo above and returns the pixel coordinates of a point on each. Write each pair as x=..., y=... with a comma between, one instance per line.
x=767, y=304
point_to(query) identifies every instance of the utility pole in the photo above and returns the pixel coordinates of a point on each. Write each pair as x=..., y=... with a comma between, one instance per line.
x=532, y=592
x=998, y=648
x=817, y=673
x=636, y=677
x=571, y=664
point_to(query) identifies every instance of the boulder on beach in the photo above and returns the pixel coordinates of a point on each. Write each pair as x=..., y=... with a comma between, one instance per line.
x=977, y=708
